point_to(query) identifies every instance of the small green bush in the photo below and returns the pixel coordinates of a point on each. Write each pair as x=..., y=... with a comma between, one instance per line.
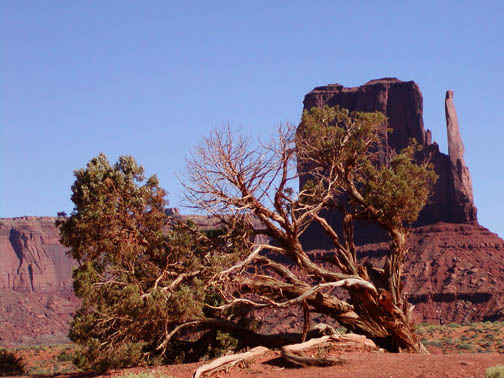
x=495, y=372
x=465, y=347
x=10, y=364
x=453, y=325
x=65, y=356
x=435, y=343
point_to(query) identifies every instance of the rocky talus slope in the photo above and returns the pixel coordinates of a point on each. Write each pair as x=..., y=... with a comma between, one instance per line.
x=453, y=272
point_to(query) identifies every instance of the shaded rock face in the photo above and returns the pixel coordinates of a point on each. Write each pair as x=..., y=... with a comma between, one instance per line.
x=31, y=257
x=402, y=103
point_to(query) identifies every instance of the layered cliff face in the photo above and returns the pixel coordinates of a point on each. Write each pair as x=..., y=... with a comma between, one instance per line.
x=36, y=297
x=454, y=264
x=452, y=272
x=31, y=257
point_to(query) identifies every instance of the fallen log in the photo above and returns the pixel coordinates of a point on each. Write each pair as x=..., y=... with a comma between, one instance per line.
x=227, y=362
x=294, y=353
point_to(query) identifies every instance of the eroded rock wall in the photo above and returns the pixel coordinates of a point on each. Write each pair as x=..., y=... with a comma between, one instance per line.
x=31, y=257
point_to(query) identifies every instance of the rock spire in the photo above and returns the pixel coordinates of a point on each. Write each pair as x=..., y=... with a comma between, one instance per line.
x=460, y=177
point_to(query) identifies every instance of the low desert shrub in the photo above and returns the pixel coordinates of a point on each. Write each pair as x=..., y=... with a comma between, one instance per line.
x=10, y=364
x=464, y=347
x=450, y=341
x=495, y=372
x=66, y=355
x=435, y=343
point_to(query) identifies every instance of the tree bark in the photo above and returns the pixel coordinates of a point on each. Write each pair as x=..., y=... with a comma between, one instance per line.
x=228, y=361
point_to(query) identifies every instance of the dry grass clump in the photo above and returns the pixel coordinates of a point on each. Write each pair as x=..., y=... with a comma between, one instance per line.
x=495, y=372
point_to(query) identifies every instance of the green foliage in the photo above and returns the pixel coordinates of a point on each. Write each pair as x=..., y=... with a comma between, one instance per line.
x=436, y=343
x=11, y=365
x=343, y=147
x=476, y=337
x=140, y=274
x=495, y=372
x=339, y=137
x=223, y=342
x=65, y=356
x=465, y=347
x=399, y=189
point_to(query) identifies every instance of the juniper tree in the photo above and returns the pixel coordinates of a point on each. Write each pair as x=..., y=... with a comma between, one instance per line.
x=337, y=152
x=142, y=277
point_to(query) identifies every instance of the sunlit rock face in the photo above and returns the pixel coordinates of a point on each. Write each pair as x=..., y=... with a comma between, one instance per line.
x=36, y=298
x=31, y=257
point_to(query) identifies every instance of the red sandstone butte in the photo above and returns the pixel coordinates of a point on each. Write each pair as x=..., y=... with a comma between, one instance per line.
x=402, y=103
x=454, y=265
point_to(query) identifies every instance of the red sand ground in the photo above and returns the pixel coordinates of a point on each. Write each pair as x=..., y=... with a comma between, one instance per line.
x=447, y=344
x=358, y=365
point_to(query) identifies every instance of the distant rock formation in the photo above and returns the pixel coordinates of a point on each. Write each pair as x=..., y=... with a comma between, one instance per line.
x=31, y=256
x=461, y=183
x=172, y=212
x=36, y=297
x=402, y=103
x=454, y=264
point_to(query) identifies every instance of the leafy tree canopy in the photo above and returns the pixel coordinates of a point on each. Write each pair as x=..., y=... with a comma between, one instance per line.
x=142, y=276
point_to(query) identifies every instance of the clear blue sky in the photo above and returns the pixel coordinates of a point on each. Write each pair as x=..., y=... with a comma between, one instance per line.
x=150, y=78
